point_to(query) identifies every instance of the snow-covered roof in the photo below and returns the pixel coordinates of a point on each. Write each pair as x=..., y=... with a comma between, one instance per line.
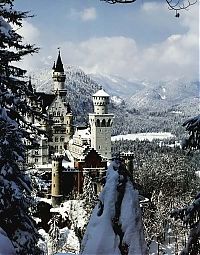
x=101, y=93
x=84, y=133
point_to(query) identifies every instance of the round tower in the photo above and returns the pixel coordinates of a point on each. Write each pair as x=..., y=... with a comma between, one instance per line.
x=59, y=76
x=56, y=181
x=101, y=102
x=101, y=124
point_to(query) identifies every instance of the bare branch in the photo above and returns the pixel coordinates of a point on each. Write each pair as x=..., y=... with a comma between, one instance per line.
x=119, y=1
x=175, y=5
x=180, y=4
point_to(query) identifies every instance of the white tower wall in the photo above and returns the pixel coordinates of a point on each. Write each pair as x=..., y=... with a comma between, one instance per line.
x=59, y=81
x=101, y=124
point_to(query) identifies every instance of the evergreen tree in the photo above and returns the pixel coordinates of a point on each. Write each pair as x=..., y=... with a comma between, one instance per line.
x=190, y=215
x=15, y=185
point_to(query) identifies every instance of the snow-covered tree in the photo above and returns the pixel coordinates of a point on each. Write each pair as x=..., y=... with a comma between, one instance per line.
x=115, y=226
x=54, y=234
x=190, y=215
x=89, y=195
x=15, y=185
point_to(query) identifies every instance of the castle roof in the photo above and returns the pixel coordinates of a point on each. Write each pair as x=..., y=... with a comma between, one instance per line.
x=59, y=64
x=101, y=93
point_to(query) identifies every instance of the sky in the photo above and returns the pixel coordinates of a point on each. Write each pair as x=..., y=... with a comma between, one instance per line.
x=141, y=41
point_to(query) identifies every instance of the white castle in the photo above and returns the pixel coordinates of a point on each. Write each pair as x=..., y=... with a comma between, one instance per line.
x=63, y=138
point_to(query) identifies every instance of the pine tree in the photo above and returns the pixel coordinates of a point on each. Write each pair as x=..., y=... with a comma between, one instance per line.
x=190, y=215
x=15, y=185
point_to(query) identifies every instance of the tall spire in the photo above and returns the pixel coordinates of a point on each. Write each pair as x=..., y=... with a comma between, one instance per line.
x=54, y=66
x=59, y=64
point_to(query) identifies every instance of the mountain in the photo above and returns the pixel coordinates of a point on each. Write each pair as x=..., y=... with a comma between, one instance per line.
x=80, y=90
x=118, y=86
x=138, y=106
x=174, y=95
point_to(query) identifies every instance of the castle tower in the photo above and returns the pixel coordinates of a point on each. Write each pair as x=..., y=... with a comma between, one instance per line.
x=101, y=124
x=56, y=181
x=59, y=77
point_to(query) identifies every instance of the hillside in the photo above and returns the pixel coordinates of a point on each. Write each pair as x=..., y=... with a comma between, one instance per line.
x=138, y=106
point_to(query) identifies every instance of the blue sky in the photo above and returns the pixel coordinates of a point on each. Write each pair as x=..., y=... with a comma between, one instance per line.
x=141, y=40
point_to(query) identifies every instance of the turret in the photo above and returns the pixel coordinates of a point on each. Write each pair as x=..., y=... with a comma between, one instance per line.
x=59, y=76
x=101, y=102
x=56, y=181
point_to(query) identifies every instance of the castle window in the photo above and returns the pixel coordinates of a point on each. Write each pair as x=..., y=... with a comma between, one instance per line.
x=99, y=146
x=54, y=185
x=98, y=123
x=58, y=113
x=56, y=139
x=36, y=152
x=36, y=160
x=103, y=124
x=109, y=123
x=62, y=139
x=54, y=113
x=54, y=175
x=61, y=147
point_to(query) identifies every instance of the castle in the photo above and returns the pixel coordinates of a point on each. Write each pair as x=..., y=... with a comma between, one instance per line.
x=74, y=151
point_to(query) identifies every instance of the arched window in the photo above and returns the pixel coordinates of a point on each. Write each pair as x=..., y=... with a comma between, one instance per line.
x=103, y=123
x=98, y=123
x=109, y=123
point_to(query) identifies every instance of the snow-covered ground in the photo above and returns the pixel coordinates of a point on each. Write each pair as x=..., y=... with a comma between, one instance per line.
x=143, y=136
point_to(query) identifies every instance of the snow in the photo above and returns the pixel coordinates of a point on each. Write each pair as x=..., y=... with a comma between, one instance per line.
x=74, y=209
x=101, y=93
x=84, y=133
x=6, y=247
x=131, y=226
x=143, y=136
x=68, y=164
x=100, y=236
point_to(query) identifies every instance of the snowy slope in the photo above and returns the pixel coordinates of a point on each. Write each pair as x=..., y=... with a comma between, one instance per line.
x=143, y=136
x=115, y=224
x=165, y=95
x=80, y=89
x=118, y=86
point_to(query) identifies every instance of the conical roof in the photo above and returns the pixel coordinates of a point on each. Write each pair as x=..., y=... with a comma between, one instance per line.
x=59, y=64
x=101, y=93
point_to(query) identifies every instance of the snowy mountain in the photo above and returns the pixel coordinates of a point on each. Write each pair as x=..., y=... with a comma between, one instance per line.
x=138, y=106
x=79, y=85
x=172, y=94
x=118, y=86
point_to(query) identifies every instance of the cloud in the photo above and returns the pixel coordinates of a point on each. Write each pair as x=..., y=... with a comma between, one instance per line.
x=29, y=32
x=87, y=14
x=177, y=55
